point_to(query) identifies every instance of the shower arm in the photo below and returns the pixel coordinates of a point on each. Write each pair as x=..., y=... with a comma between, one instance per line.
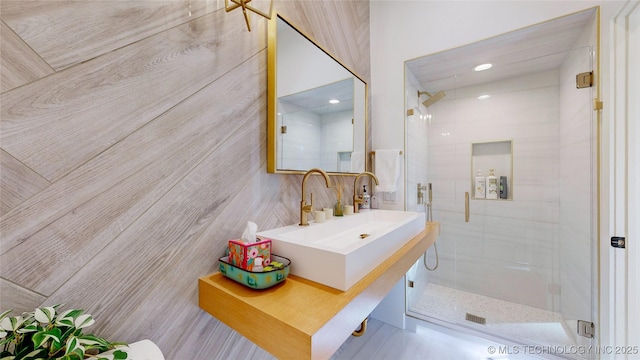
x=433, y=98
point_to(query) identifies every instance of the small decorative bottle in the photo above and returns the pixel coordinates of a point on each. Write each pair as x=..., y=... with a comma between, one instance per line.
x=338, y=208
x=492, y=185
x=366, y=198
x=479, y=188
x=504, y=192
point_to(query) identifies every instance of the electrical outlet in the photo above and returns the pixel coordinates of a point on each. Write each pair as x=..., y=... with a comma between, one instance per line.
x=389, y=198
x=374, y=201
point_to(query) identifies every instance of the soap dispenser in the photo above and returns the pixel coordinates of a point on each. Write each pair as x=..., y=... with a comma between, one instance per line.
x=479, y=186
x=492, y=185
x=366, y=199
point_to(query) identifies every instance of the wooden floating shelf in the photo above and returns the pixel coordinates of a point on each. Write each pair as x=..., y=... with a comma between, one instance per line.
x=301, y=319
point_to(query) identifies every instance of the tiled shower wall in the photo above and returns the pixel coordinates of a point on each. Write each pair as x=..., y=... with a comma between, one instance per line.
x=337, y=136
x=314, y=140
x=536, y=249
x=508, y=249
x=301, y=142
x=133, y=146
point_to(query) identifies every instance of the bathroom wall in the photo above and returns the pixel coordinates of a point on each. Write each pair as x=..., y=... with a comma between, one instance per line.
x=133, y=146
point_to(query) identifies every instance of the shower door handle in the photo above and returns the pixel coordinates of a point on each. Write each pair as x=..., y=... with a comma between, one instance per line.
x=466, y=206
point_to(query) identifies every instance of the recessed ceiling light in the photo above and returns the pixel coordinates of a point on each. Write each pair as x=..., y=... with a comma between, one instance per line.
x=483, y=67
x=483, y=97
x=334, y=101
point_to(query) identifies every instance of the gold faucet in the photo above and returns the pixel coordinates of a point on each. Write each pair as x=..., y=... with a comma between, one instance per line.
x=307, y=208
x=358, y=199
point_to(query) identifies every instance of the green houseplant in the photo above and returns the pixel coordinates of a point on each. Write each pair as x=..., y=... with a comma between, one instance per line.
x=48, y=334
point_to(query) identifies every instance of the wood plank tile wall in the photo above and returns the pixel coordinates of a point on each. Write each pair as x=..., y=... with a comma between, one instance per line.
x=133, y=146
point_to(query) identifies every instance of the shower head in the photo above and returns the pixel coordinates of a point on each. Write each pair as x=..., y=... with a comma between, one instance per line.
x=432, y=98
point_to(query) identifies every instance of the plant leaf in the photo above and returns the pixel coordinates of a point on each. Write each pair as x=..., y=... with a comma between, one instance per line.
x=4, y=314
x=45, y=315
x=7, y=339
x=93, y=340
x=120, y=355
x=68, y=322
x=33, y=327
x=67, y=317
x=36, y=354
x=74, y=347
x=23, y=352
x=11, y=323
x=83, y=321
x=40, y=338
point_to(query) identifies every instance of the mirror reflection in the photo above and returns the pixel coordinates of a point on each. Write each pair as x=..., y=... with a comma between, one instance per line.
x=317, y=107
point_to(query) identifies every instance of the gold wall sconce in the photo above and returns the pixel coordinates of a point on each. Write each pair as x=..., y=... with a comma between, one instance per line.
x=230, y=5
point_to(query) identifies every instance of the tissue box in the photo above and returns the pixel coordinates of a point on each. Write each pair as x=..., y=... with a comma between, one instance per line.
x=242, y=254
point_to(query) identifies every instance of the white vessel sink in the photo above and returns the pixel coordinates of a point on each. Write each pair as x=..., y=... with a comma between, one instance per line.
x=342, y=250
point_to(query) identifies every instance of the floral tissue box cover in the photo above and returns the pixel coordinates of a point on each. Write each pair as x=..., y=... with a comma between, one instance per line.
x=242, y=254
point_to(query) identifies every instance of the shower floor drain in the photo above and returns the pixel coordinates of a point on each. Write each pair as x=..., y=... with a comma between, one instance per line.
x=476, y=319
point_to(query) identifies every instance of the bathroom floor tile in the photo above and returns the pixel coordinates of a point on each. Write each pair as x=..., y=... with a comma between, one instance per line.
x=503, y=318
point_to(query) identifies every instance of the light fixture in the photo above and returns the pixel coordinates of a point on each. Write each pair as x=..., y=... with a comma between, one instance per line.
x=230, y=5
x=334, y=101
x=483, y=67
x=484, y=97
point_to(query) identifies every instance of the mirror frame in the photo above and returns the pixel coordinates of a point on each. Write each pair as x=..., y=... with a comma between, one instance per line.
x=272, y=98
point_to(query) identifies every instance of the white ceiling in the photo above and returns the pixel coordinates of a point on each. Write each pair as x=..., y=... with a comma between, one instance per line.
x=317, y=100
x=532, y=49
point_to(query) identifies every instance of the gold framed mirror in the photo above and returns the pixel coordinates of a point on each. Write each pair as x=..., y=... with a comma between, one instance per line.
x=317, y=107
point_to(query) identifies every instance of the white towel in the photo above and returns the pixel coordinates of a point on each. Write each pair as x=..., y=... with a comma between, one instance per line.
x=357, y=162
x=387, y=169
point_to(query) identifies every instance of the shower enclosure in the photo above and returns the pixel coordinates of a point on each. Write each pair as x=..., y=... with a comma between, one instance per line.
x=520, y=267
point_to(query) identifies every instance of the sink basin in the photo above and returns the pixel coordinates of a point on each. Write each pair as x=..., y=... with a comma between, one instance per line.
x=342, y=250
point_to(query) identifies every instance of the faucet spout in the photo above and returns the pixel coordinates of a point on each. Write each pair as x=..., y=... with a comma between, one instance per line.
x=304, y=207
x=358, y=199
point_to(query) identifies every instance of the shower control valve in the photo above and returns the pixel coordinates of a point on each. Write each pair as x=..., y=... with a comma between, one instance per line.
x=421, y=189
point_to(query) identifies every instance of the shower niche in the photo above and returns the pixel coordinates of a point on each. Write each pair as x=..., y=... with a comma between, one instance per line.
x=492, y=167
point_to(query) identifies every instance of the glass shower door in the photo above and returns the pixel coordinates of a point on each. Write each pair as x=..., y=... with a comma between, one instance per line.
x=520, y=268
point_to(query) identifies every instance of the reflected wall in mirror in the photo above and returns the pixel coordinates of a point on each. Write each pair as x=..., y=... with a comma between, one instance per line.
x=317, y=107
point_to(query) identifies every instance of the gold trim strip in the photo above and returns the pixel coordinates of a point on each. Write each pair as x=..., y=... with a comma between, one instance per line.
x=373, y=153
x=466, y=206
